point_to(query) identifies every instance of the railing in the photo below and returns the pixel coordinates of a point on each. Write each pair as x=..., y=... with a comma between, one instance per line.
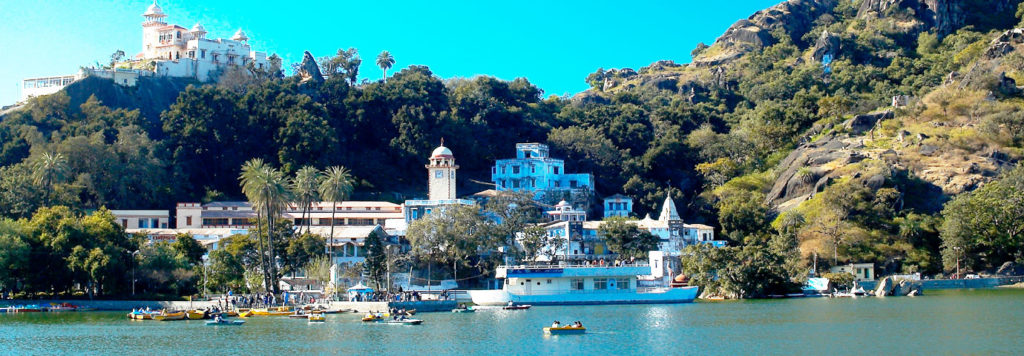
x=573, y=266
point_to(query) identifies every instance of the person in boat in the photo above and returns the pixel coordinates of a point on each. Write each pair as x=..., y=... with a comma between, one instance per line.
x=462, y=306
x=578, y=324
x=218, y=318
x=556, y=324
x=510, y=303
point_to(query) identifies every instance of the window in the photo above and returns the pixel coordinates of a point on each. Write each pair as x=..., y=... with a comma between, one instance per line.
x=202, y=53
x=124, y=223
x=600, y=283
x=515, y=169
x=503, y=184
x=494, y=170
x=502, y=169
x=622, y=283
x=549, y=281
x=515, y=184
x=188, y=220
x=556, y=170
x=576, y=284
x=533, y=169
x=573, y=184
x=438, y=174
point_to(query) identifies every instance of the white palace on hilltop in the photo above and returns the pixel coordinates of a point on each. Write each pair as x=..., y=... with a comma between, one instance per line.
x=167, y=50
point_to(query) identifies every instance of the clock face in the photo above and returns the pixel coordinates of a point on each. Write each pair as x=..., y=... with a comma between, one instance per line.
x=438, y=174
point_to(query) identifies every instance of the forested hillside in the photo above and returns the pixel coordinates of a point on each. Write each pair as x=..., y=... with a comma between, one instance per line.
x=783, y=133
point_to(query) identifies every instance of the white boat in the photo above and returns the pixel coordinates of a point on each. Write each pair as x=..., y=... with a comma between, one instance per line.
x=578, y=284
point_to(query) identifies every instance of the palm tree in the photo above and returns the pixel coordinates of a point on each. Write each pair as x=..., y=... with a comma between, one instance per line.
x=267, y=190
x=335, y=186
x=50, y=168
x=385, y=61
x=304, y=187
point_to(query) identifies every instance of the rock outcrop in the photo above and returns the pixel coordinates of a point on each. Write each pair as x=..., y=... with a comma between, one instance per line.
x=1010, y=269
x=889, y=286
x=863, y=123
x=944, y=16
x=793, y=17
x=309, y=70
x=828, y=43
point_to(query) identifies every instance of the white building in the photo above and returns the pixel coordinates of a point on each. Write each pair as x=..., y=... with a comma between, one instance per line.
x=142, y=219
x=167, y=50
x=179, y=52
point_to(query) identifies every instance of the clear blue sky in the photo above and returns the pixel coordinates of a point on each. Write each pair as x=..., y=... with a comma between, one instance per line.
x=554, y=44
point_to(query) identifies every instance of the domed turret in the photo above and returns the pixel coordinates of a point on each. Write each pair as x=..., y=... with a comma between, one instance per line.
x=154, y=10
x=441, y=152
x=240, y=36
x=198, y=31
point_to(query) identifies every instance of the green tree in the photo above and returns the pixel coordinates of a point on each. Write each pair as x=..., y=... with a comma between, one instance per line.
x=188, y=249
x=335, y=187
x=376, y=259
x=982, y=228
x=449, y=236
x=385, y=61
x=305, y=189
x=50, y=169
x=626, y=239
x=302, y=249
x=267, y=191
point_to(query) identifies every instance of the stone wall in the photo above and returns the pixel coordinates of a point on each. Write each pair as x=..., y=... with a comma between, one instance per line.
x=957, y=283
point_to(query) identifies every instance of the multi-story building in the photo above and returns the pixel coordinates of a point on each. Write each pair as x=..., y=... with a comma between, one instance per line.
x=535, y=171
x=179, y=52
x=566, y=212
x=167, y=50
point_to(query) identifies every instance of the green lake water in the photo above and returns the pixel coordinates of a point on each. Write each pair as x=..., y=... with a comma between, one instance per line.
x=953, y=322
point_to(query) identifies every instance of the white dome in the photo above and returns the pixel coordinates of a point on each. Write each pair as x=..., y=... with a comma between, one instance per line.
x=154, y=10
x=442, y=151
x=198, y=28
x=562, y=203
x=240, y=36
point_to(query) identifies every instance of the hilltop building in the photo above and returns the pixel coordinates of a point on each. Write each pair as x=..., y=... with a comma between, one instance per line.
x=535, y=171
x=441, y=171
x=167, y=50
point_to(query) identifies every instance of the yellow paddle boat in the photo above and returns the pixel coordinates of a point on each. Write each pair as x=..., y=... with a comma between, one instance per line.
x=376, y=316
x=168, y=316
x=565, y=330
x=317, y=317
x=281, y=311
x=195, y=314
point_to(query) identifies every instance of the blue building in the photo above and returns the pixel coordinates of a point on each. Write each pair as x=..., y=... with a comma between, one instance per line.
x=618, y=205
x=534, y=170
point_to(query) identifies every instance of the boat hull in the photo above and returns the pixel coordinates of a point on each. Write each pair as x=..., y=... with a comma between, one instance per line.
x=565, y=331
x=502, y=297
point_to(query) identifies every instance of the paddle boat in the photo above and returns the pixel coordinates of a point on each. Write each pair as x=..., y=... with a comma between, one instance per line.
x=404, y=322
x=54, y=307
x=376, y=316
x=463, y=309
x=224, y=322
x=316, y=318
x=195, y=314
x=169, y=316
x=565, y=330
x=142, y=315
x=279, y=311
x=516, y=307
x=27, y=309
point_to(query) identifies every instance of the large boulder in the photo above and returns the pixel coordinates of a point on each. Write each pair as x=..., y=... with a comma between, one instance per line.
x=309, y=70
x=863, y=123
x=1010, y=269
x=793, y=17
x=828, y=43
x=889, y=286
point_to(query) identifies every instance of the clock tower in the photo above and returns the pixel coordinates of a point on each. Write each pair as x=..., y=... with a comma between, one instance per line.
x=442, y=169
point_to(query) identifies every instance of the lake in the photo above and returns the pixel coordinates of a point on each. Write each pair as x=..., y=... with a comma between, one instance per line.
x=941, y=322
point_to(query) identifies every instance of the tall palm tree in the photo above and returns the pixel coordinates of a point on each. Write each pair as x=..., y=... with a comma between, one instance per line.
x=305, y=188
x=267, y=189
x=385, y=61
x=49, y=169
x=335, y=186
x=249, y=179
